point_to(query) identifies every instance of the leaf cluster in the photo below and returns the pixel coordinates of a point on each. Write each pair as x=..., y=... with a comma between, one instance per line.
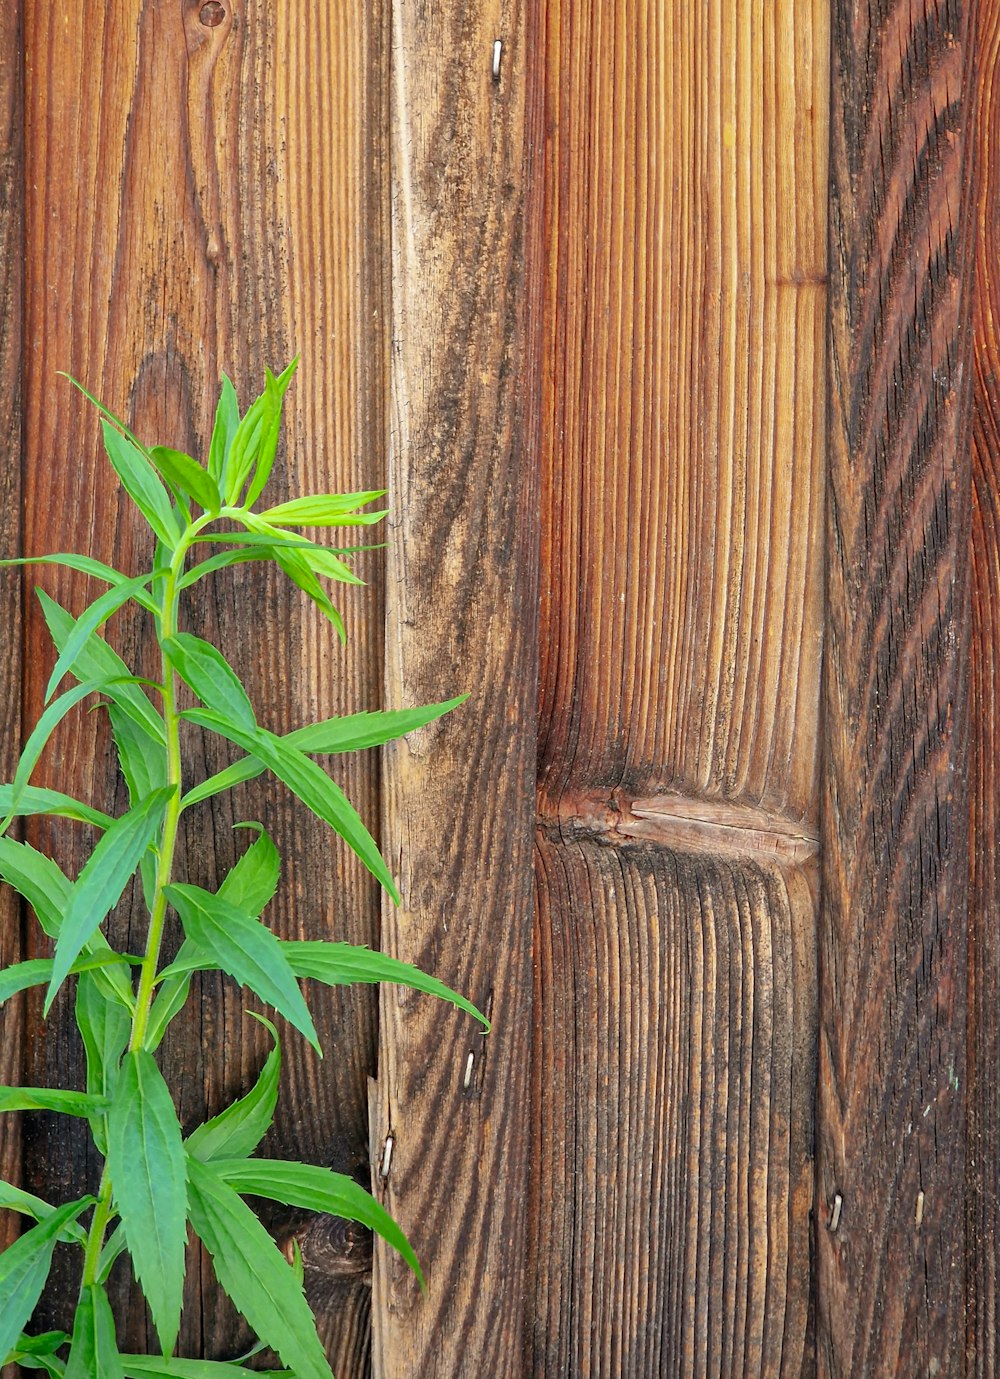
x=158, y=1185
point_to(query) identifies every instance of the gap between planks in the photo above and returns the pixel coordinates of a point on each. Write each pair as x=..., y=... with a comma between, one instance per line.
x=684, y=823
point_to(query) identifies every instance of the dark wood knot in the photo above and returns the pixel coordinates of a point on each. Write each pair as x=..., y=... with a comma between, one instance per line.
x=333, y=1247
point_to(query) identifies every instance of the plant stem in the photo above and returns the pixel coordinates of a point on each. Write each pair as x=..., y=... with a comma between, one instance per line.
x=98, y=1225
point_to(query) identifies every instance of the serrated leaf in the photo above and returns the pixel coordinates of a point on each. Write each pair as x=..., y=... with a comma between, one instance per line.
x=88, y=623
x=147, y=1166
x=325, y=510
x=141, y=482
x=307, y=781
x=227, y=419
x=204, y=669
x=183, y=472
x=36, y=800
x=252, y=882
x=351, y=733
x=87, y=566
x=342, y=964
x=102, y=880
x=316, y=1189
x=245, y=949
x=24, y=1267
x=94, y=1348
x=51, y=1099
x=237, y=1131
x=27, y=1204
x=254, y=1273
x=99, y=662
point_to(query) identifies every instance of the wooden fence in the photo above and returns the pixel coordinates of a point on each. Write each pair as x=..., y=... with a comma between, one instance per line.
x=672, y=331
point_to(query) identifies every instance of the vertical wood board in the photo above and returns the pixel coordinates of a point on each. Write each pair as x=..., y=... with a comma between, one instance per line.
x=891, y=1134
x=205, y=196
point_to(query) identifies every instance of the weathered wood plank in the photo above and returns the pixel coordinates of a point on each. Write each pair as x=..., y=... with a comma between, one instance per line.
x=673, y=1085
x=11, y=284
x=982, y=1089
x=682, y=519
x=683, y=406
x=205, y=195
x=461, y=615
x=891, y=1135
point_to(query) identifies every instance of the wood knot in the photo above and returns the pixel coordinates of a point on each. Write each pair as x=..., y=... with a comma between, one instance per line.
x=333, y=1247
x=212, y=14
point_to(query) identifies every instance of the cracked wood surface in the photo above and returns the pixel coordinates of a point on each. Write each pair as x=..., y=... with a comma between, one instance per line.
x=891, y=1111
x=681, y=609
x=205, y=198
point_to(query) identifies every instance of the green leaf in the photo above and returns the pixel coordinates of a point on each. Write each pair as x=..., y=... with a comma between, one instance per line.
x=170, y=1000
x=94, y=1349
x=254, y=1273
x=296, y=567
x=104, y=411
x=204, y=669
x=35, y=800
x=16, y=1199
x=39, y=1352
x=227, y=419
x=21, y=976
x=143, y=762
x=251, y=884
x=275, y=390
x=325, y=563
x=246, y=441
x=47, y=889
x=105, y=1027
x=351, y=733
x=245, y=949
x=309, y=782
x=51, y=1099
x=142, y=484
x=186, y=474
x=342, y=964
x=102, y=880
x=237, y=1131
x=147, y=1166
x=71, y=561
x=87, y=624
x=97, y=661
x=325, y=510
x=219, y=562
x=24, y=1267
x=316, y=1189
x=115, y=1245
x=145, y=1367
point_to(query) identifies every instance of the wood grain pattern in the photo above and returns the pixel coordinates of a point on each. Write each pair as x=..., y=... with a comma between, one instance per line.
x=207, y=197
x=891, y=1134
x=682, y=514
x=683, y=405
x=11, y=269
x=673, y=1076
x=982, y=1089
x=461, y=615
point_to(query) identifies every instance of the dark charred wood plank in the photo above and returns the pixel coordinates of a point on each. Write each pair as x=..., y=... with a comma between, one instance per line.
x=983, y=1090
x=891, y=1111
x=673, y=1084
x=461, y=615
x=203, y=197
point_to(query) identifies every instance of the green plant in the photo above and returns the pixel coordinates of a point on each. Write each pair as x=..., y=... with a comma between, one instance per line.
x=155, y=1182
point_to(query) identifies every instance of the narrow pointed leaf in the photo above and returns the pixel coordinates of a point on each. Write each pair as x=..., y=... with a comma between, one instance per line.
x=35, y=800
x=21, y=976
x=297, y=569
x=219, y=562
x=94, y=1348
x=170, y=1001
x=237, y=1131
x=325, y=510
x=51, y=1099
x=330, y=566
x=204, y=669
x=245, y=949
x=141, y=482
x=88, y=623
x=87, y=566
x=104, y=1027
x=227, y=419
x=145, y=1367
x=316, y=1189
x=276, y=389
x=310, y=783
x=98, y=661
x=147, y=1165
x=351, y=733
x=254, y=1273
x=115, y=1245
x=100, y=884
x=184, y=473
x=104, y=411
x=24, y=1267
x=251, y=884
x=16, y=1199
x=342, y=964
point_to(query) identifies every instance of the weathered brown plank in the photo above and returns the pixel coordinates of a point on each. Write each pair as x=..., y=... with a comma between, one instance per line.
x=982, y=1091
x=673, y=1075
x=461, y=615
x=11, y=271
x=682, y=519
x=203, y=196
x=891, y=1138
